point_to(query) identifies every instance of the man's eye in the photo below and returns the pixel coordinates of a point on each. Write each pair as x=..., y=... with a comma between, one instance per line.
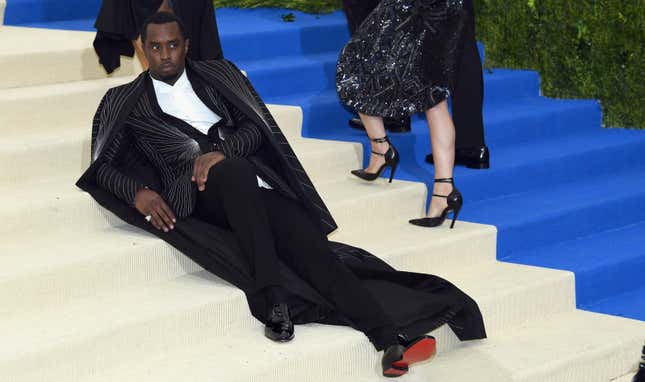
x=173, y=45
x=155, y=47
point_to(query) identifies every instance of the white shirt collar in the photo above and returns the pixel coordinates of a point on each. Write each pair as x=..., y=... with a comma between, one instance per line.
x=162, y=87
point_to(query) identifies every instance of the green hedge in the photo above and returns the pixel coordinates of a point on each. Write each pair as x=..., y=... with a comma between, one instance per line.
x=313, y=6
x=581, y=48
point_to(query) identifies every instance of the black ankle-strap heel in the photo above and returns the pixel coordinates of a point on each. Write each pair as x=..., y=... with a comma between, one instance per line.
x=391, y=160
x=455, y=202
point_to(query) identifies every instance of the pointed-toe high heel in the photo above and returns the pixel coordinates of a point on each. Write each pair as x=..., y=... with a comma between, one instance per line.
x=398, y=358
x=455, y=202
x=391, y=160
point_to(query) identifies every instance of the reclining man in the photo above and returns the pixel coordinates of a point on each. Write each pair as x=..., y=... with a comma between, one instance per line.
x=190, y=146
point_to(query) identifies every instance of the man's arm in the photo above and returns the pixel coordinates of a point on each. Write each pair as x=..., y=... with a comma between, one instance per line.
x=131, y=191
x=246, y=138
x=113, y=180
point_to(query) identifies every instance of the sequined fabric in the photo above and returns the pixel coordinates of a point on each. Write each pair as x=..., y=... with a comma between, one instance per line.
x=403, y=58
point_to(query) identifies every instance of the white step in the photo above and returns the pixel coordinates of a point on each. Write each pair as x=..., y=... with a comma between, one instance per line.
x=625, y=378
x=50, y=108
x=578, y=346
x=44, y=56
x=92, y=333
x=573, y=346
x=37, y=271
x=59, y=205
x=66, y=151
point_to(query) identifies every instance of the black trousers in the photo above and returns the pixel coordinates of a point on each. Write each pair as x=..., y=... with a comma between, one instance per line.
x=468, y=95
x=270, y=226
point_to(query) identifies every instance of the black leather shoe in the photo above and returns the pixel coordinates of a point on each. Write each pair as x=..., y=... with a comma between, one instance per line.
x=398, y=358
x=393, y=125
x=279, y=326
x=472, y=157
x=640, y=375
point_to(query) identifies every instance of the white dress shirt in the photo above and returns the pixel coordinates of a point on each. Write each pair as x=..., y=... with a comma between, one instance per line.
x=181, y=101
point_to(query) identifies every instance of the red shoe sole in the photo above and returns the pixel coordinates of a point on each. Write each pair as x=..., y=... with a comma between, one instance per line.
x=420, y=351
x=393, y=373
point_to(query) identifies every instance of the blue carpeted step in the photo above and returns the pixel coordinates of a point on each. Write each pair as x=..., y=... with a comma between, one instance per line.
x=630, y=304
x=542, y=163
x=532, y=119
x=84, y=25
x=522, y=166
x=251, y=34
x=560, y=212
x=256, y=35
x=606, y=264
x=41, y=11
x=282, y=76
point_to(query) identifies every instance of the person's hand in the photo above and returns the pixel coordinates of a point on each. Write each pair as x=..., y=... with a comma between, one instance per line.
x=149, y=203
x=203, y=164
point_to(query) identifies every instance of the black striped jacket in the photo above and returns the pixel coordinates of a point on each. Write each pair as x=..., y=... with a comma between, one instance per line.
x=134, y=144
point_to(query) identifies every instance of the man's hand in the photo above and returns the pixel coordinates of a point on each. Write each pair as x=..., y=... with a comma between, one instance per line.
x=149, y=203
x=203, y=164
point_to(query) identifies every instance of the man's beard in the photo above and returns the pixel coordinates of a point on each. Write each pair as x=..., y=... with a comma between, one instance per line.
x=169, y=78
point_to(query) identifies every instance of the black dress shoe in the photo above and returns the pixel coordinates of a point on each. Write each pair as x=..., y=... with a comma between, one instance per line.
x=472, y=157
x=640, y=375
x=393, y=125
x=279, y=326
x=398, y=358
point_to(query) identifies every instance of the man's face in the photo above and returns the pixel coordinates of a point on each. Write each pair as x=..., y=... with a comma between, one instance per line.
x=166, y=49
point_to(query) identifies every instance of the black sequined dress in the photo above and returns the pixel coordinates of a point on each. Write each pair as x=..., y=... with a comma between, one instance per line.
x=403, y=58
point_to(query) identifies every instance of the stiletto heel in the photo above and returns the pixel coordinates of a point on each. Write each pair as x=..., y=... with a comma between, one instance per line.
x=391, y=160
x=393, y=171
x=454, y=219
x=455, y=202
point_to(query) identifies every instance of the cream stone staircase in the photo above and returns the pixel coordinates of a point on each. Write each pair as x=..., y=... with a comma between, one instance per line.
x=83, y=297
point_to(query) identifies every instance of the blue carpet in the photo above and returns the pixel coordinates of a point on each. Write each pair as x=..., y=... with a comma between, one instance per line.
x=564, y=192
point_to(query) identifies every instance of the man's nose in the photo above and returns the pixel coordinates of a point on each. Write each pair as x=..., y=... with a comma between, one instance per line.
x=165, y=53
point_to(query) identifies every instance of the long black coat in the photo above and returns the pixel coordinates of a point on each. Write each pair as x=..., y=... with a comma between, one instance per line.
x=119, y=22
x=418, y=303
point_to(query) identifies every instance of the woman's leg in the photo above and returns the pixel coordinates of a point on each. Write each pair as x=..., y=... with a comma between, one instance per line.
x=442, y=136
x=375, y=129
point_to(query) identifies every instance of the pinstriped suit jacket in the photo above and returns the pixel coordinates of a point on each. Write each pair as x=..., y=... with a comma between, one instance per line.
x=134, y=144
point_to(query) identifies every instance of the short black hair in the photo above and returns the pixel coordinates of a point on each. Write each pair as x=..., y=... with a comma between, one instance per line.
x=162, y=18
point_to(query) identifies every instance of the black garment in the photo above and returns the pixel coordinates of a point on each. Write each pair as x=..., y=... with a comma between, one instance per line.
x=119, y=23
x=172, y=146
x=416, y=303
x=269, y=226
x=406, y=65
x=468, y=94
x=357, y=11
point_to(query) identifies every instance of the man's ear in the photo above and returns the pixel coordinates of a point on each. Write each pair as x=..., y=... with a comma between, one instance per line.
x=187, y=45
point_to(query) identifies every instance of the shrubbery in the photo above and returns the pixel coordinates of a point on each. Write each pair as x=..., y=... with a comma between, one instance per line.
x=582, y=48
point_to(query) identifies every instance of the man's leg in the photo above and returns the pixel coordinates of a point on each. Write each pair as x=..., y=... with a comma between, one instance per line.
x=232, y=200
x=467, y=102
x=304, y=248
x=468, y=99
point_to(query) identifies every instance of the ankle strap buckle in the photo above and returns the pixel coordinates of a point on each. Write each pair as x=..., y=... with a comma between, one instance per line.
x=385, y=139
